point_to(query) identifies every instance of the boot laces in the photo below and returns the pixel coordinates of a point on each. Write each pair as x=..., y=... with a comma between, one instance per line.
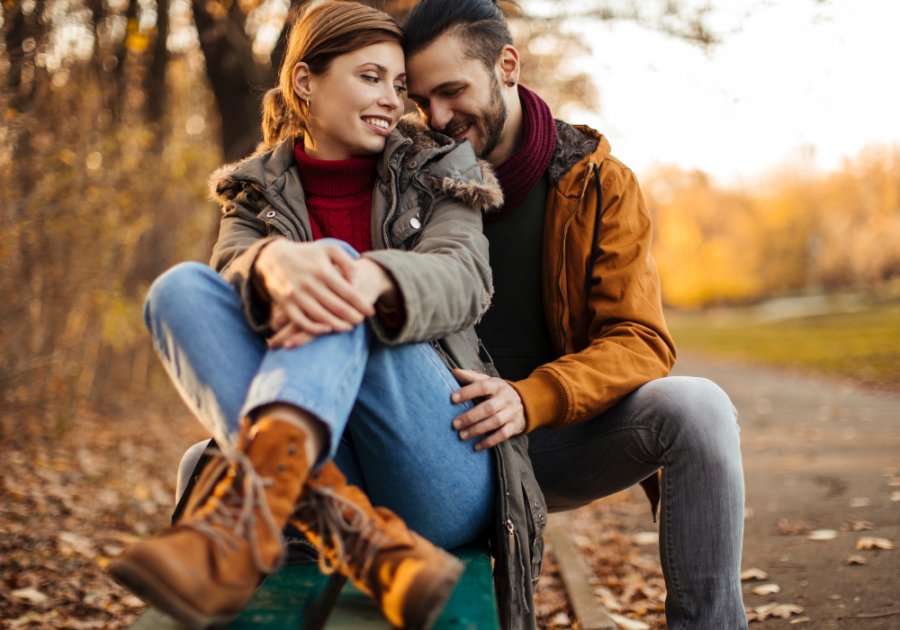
x=352, y=537
x=233, y=515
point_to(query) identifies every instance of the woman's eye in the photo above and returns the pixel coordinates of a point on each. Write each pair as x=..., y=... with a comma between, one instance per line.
x=401, y=89
x=371, y=78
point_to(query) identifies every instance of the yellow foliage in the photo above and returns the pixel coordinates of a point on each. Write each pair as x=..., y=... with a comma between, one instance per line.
x=791, y=231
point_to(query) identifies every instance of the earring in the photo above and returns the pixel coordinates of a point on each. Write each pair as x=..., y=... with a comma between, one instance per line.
x=511, y=84
x=307, y=105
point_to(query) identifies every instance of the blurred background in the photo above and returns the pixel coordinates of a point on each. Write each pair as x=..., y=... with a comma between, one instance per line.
x=765, y=136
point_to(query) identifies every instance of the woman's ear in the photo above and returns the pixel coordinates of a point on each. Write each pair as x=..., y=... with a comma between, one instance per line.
x=300, y=79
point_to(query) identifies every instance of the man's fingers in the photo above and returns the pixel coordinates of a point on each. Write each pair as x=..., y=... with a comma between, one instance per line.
x=500, y=435
x=474, y=390
x=490, y=423
x=477, y=414
x=464, y=377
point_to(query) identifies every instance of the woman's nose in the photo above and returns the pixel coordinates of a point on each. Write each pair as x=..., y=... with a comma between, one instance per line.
x=391, y=99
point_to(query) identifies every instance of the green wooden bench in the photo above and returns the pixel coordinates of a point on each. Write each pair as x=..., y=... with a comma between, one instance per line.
x=300, y=598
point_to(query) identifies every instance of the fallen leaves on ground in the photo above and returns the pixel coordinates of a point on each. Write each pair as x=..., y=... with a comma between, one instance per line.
x=856, y=560
x=627, y=577
x=629, y=624
x=766, y=589
x=791, y=528
x=754, y=574
x=873, y=542
x=858, y=526
x=67, y=507
x=823, y=534
x=773, y=609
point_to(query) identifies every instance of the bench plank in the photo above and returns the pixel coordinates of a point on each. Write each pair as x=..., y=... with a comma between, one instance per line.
x=299, y=598
x=471, y=607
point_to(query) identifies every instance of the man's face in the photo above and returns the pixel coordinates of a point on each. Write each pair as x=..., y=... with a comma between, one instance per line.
x=457, y=95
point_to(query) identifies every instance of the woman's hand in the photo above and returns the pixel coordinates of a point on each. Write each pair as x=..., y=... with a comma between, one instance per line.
x=314, y=287
x=374, y=283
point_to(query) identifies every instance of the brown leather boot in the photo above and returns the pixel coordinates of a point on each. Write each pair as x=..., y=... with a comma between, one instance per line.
x=408, y=577
x=205, y=569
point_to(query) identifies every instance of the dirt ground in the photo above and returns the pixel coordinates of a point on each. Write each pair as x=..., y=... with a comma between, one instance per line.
x=821, y=459
x=822, y=456
x=818, y=454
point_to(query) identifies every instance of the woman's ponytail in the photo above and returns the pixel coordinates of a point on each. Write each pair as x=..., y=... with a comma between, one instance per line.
x=277, y=120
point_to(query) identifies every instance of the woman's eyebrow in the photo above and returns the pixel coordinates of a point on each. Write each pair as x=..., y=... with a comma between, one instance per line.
x=377, y=66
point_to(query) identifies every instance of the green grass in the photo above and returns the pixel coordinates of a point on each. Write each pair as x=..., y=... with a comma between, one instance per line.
x=864, y=346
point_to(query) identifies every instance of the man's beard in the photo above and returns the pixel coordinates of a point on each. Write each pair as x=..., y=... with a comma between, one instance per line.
x=490, y=127
x=489, y=123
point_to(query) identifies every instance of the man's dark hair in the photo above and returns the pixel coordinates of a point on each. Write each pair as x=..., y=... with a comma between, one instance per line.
x=479, y=23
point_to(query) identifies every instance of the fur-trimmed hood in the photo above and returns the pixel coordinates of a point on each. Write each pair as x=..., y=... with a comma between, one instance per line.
x=449, y=169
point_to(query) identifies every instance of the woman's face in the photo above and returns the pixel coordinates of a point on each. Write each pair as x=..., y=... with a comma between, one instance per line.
x=355, y=104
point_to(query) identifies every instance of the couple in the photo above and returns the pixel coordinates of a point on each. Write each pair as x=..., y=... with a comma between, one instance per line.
x=327, y=354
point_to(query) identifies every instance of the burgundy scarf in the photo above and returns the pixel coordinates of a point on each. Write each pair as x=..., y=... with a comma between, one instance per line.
x=519, y=174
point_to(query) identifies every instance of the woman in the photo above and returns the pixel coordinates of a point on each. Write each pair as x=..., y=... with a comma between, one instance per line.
x=305, y=357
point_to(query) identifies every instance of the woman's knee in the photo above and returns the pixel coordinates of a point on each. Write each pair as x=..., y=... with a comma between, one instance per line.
x=347, y=247
x=177, y=289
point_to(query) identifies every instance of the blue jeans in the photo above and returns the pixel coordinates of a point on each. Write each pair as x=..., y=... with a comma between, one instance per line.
x=687, y=427
x=387, y=408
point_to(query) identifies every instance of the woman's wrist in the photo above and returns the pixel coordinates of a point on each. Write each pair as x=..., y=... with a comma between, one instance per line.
x=381, y=287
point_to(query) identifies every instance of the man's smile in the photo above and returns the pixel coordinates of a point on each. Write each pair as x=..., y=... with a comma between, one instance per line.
x=458, y=130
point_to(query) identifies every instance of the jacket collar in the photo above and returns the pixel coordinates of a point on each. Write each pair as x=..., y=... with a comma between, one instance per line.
x=573, y=145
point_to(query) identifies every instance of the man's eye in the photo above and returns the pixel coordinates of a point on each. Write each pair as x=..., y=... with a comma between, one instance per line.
x=452, y=93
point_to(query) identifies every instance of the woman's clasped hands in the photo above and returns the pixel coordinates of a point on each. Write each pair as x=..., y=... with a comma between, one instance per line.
x=317, y=289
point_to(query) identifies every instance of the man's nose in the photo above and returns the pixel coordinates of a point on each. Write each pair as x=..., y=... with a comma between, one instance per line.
x=440, y=117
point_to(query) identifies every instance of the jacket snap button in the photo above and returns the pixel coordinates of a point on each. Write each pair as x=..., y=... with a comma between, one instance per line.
x=412, y=164
x=414, y=223
x=271, y=214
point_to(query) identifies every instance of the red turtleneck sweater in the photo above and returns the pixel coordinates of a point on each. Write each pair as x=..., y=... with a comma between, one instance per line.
x=339, y=197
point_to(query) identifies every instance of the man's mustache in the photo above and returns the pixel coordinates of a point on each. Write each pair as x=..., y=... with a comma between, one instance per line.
x=455, y=126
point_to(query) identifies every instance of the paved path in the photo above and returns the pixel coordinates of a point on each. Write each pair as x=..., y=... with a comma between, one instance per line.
x=817, y=454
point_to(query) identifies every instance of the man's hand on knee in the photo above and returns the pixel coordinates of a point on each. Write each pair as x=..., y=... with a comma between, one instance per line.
x=500, y=415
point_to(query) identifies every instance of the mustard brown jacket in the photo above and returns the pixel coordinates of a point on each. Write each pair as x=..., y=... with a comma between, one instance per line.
x=601, y=290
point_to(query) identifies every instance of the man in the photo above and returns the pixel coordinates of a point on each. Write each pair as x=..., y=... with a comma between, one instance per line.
x=576, y=328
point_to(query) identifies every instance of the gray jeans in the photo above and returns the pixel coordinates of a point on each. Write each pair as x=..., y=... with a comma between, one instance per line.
x=686, y=426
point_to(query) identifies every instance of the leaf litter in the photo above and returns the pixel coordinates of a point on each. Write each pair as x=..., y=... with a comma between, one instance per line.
x=627, y=579
x=67, y=508
x=873, y=542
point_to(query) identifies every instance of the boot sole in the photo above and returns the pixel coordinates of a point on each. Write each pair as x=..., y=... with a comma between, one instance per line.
x=439, y=596
x=150, y=588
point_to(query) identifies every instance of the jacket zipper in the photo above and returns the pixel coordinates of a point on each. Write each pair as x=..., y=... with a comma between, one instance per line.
x=562, y=260
x=395, y=192
x=511, y=530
